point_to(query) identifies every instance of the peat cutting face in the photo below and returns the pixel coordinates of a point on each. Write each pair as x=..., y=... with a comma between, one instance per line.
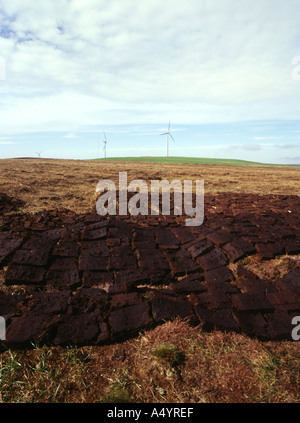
x=89, y=279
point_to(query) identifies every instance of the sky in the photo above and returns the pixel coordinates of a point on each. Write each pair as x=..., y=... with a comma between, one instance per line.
x=225, y=73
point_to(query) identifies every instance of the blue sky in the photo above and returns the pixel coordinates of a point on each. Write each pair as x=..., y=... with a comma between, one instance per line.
x=226, y=73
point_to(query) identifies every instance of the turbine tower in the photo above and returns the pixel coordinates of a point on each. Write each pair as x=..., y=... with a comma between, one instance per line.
x=104, y=142
x=168, y=133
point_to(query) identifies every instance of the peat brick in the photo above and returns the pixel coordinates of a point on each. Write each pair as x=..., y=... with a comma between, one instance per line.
x=292, y=278
x=153, y=262
x=36, y=257
x=264, y=252
x=181, y=263
x=9, y=304
x=254, y=286
x=165, y=307
x=66, y=248
x=252, y=324
x=251, y=302
x=283, y=301
x=113, y=242
x=45, y=241
x=24, y=275
x=279, y=325
x=98, y=225
x=213, y=299
x=78, y=330
x=93, y=218
x=251, y=283
x=89, y=300
x=292, y=247
x=94, y=234
x=221, y=319
x=212, y=260
x=218, y=276
x=131, y=275
x=92, y=263
x=220, y=237
x=63, y=273
x=121, y=230
x=96, y=248
x=8, y=245
x=38, y=320
x=184, y=234
x=166, y=239
x=236, y=250
x=200, y=248
x=122, y=262
x=121, y=250
x=124, y=300
x=276, y=248
x=191, y=283
x=129, y=319
x=290, y=285
x=100, y=279
x=120, y=288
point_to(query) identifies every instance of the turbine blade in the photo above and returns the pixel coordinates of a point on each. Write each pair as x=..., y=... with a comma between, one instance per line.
x=172, y=137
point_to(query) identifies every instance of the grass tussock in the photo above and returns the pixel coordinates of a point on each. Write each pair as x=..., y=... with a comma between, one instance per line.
x=169, y=354
x=172, y=363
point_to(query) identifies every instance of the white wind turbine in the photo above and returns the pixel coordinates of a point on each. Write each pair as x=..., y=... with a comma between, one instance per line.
x=168, y=133
x=104, y=142
x=39, y=153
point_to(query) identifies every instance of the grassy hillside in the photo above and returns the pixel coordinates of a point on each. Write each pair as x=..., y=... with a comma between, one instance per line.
x=188, y=160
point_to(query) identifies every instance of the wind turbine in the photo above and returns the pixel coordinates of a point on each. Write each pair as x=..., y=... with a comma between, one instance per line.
x=39, y=154
x=168, y=133
x=104, y=142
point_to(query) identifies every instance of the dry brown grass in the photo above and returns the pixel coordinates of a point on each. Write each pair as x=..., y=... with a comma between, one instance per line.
x=214, y=367
x=47, y=184
x=270, y=269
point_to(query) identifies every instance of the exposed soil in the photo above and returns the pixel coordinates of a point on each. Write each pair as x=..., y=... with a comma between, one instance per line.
x=9, y=204
x=83, y=279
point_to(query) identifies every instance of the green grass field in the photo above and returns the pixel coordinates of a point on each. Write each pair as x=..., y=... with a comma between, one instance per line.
x=189, y=160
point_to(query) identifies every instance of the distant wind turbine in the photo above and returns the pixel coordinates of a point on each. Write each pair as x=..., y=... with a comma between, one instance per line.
x=168, y=133
x=104, y=142
x=39, y=154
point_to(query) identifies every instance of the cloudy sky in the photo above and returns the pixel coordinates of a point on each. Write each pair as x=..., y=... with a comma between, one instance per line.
x=226, y=73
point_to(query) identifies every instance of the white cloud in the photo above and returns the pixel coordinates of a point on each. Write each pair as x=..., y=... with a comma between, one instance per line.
x=291, y=160
x=252, y=147
x=71, y=136
x=73, y=63
x=288, y=146
x=265, y=138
